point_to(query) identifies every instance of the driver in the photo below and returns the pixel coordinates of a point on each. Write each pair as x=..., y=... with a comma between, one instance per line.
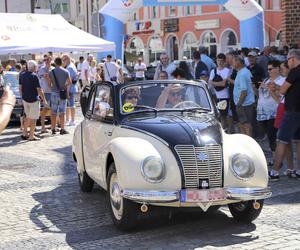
x=131, y=95
x=170, y=96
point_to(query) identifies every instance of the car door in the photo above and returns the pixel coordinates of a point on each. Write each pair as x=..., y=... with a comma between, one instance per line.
x=97, y=130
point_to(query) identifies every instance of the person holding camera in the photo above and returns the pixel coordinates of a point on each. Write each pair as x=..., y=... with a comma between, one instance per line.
x=60, y=83
x=31, y=93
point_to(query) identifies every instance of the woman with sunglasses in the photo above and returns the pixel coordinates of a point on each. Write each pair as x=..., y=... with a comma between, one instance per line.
x=268, y=98
x=132, y=96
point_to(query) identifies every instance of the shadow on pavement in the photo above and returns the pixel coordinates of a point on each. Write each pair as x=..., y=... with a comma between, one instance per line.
x=84, y=218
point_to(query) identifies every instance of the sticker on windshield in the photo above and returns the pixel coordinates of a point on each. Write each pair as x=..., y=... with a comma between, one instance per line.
x=128, y=107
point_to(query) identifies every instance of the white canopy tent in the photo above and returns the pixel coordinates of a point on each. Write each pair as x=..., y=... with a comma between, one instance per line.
x=23, y=33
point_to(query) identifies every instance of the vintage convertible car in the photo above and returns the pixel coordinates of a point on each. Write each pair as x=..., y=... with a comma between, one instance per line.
x=160, y=143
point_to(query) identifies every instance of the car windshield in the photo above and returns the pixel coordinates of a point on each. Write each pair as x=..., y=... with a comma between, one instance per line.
x=171, y=96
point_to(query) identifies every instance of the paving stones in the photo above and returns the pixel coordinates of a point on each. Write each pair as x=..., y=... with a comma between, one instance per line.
x=42, y=207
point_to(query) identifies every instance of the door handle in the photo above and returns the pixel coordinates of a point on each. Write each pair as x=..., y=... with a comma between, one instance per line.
x=108, y=133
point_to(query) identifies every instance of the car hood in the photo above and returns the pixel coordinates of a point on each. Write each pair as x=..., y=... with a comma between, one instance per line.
x=196, y=129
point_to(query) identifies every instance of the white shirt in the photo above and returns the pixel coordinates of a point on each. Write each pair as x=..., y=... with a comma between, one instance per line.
x=110, y=70
x=140, y=70
x=79, y=66
x=84, y=67
x=224, y=73
x=266, y=105
x=92, y=73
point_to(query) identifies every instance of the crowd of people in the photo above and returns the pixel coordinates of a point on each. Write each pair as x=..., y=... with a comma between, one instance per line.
x=261, y=90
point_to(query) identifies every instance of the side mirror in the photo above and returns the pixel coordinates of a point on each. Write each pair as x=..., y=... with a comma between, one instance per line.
x=222, y=105
x=84, y=99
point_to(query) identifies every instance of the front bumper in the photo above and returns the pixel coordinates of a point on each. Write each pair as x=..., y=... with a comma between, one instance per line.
x=174, y=196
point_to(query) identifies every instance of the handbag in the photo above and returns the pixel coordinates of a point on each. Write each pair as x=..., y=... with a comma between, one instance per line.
x=279, y=115
x=114, y=78
x=218, y=78
x=62, y=93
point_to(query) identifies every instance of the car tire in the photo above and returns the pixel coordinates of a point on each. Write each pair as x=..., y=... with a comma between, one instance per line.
x=124, y=212
x=85, y=182
x=244, y=211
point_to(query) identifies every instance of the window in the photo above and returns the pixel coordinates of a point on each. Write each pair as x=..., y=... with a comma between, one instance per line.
x=189, y=45
x=189, y=10
x=135, y=47
x=276, y=5
x=154, y=12
x=172, y=11
x=210, y=42
x=155, y=48
x=61, y=8
x=79, y=9
x=134, y=16
x=102, y=103
x=94, y=6
x=228, y=41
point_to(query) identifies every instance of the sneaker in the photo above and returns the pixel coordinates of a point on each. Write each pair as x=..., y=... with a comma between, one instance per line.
x=297, y=175
x=289, y=173
x=72, y=123
x=67, y=123
x=63, y=132
x=274, y=175
x=53, y=131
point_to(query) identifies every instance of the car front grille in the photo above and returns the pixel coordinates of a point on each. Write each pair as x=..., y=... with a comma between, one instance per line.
x=201, y=164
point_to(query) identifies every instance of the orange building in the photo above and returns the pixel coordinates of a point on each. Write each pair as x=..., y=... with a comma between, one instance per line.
x=180, y=30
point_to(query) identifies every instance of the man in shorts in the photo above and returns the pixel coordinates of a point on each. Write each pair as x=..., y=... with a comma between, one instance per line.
x=31, y=93
x=60, y=80
x=243, y=96
x=290, y=126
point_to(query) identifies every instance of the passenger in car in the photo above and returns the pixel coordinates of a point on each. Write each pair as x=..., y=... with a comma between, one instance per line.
x=170, y=96
x=102, y=107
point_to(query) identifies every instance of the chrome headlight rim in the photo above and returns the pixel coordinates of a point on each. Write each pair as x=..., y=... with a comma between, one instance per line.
x=163, y=172
x=251, y=166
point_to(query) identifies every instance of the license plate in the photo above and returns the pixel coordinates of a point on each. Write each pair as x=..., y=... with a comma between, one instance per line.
x=203, y=195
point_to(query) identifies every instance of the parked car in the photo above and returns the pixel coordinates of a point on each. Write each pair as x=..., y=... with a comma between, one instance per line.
x=128, y=73
x=11, y=79
x=149, y=73
x=160, y=143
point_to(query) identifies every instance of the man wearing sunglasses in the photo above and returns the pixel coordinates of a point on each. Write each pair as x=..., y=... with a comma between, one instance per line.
x=170, y=96
x=290, y=126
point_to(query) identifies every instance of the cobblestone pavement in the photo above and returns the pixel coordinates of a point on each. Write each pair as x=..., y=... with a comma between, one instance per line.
x=43, y=208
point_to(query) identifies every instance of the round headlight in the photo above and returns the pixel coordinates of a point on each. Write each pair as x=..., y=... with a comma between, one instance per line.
x=242, y=166
x=153, y=169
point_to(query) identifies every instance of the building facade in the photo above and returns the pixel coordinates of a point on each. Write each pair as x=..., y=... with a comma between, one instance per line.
x=180, y=30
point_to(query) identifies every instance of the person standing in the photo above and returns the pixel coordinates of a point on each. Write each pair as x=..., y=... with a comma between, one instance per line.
x=85, y=67
x=73, y=90
x=60, y=83
x=45, y=83
x=199, y=66
x=110, y=69
x=243, y=96
x=164, y=65
x=139, y=69
x=79, y=67
x=31, y=92
x=218, y=78
x=290, y=125
x=206, y=59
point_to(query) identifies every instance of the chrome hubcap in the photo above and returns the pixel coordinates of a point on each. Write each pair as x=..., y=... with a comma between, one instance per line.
x=116, y=199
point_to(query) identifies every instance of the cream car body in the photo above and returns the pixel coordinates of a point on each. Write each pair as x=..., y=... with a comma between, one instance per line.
x=123, y=141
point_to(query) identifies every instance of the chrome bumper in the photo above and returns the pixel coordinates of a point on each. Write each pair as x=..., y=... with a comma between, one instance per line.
x=173, y=196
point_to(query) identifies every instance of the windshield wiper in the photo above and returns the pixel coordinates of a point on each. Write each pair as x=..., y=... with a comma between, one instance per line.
x=146, y=107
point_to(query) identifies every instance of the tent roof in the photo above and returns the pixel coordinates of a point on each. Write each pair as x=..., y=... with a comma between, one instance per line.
x=22, y=33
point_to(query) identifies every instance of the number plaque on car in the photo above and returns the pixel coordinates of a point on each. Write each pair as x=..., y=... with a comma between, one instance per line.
x=197, y=195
